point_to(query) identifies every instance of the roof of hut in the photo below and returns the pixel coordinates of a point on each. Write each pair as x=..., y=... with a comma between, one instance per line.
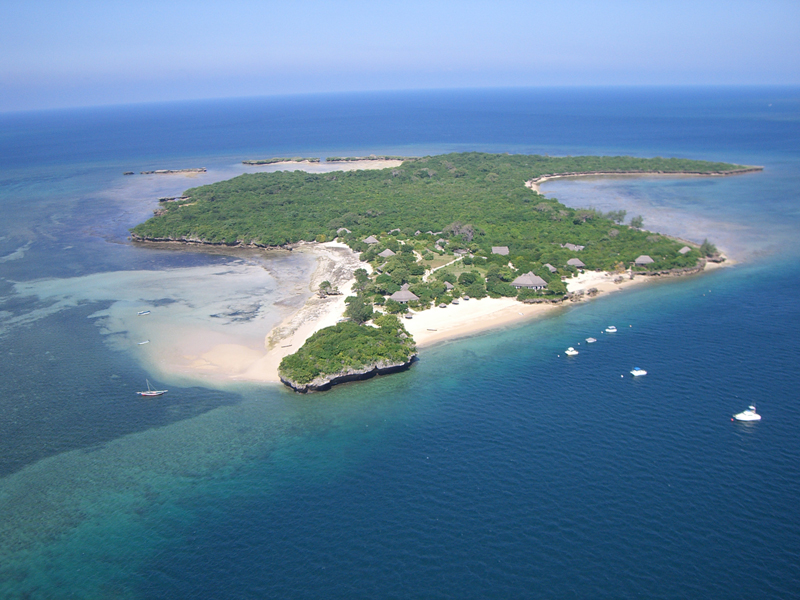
x=403, y=296
x=529, y=280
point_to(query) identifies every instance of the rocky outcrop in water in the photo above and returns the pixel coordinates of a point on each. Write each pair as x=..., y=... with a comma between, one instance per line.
x=325, y=382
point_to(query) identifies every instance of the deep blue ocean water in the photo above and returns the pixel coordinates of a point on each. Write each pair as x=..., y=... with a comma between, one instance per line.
x=495, y=467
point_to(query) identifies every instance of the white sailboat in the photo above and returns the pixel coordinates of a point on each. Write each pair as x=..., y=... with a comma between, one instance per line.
x=151, y=392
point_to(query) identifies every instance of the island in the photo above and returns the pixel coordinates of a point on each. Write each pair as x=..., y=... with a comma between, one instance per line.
x=430, y=234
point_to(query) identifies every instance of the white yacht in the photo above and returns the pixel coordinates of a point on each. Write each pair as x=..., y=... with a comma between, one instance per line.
x=637, y=372
x=748, y=415
x=570, y=351
x=590, y=340
x=611, y=329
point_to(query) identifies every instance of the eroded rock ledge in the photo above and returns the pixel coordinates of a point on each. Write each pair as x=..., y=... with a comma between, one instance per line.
x=323, y=383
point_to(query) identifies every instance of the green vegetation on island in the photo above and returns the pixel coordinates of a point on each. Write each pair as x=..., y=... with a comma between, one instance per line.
x=471, y=201
x=348, y=351
x=434, y=230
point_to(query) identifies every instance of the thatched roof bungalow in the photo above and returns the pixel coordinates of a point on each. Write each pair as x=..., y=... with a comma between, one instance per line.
x=371, y=240
x=684, y=250
x=501, y=250
x=576, y=262
x=644, y=260
x=529, y=281
x=550, y=267
x=386, y=253
x=403, y=296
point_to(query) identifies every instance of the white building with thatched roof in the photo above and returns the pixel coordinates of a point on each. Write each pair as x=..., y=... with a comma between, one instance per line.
x=386, y=253
x=644, y=260
x=501, y=250
x=684, y=250
x=529, y=281
x=576, y=262
x=371, y=240
x=550, y=267
x=403, y=296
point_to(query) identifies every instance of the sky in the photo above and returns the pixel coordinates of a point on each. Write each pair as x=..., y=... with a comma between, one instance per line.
x=85, y=52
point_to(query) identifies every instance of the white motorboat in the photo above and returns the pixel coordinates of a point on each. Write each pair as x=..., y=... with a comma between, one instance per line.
x=748, y=415
x=141, y=313
x=611, y=329
x=590, y=340
x=637, y=372
x=144, y=342
x=570, y=351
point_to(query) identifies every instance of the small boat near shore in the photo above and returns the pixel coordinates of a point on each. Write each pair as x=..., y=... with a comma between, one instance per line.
x=590, y=340
x=570, y=351
x=141, y=313
x=611, y=329
x=637, y=372
x=748, y=415
x=144, y=342
x=151, y=392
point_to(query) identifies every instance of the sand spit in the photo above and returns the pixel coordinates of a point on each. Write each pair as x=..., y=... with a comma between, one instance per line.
x=533, y=184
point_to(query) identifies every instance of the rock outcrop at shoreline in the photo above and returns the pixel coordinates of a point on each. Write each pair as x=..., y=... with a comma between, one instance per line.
x=324, y=383
x=198, y=242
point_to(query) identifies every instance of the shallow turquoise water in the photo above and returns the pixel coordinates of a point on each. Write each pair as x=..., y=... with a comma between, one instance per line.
x=494, y=467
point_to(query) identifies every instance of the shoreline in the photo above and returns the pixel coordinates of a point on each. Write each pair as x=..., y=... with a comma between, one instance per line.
x=231, y=362
x=336, y=262
x=533, y=184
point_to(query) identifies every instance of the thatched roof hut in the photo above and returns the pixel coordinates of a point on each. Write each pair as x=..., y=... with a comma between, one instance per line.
x=403, y=296
x=576, y=262
x=386, y=253
x=371, y=240
x=501, y=250
x=684, y=250
x=644, y=260
x=529, y=281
